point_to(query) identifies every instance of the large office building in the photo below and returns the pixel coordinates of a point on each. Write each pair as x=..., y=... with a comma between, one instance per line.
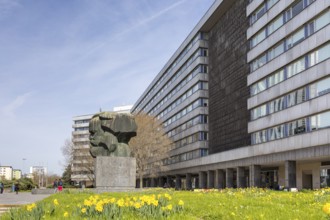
x=246, y=98
x=82, y=166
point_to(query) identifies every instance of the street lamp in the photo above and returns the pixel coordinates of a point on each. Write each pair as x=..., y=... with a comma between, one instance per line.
x=24, y=159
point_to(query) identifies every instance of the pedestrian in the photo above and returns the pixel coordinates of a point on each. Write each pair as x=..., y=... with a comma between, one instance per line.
x=1, y=187
x=13, y=188
x=60, y=185
x=16, y=188
x=55, y=185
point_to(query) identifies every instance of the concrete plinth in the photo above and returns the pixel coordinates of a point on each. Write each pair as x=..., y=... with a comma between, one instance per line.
x=115, y=173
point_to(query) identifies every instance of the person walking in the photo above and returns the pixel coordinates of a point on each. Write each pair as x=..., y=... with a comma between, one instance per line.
x=16, y=188
x=55, y=185
x=60, y=185
x=1, y=187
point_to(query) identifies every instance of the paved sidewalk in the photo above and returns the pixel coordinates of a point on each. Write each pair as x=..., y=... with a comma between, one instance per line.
x=21, y=198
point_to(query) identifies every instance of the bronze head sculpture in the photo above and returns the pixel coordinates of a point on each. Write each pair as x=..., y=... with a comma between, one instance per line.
x=109, y=134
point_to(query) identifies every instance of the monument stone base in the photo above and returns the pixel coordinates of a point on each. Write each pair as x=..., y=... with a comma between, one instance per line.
x=115, y=173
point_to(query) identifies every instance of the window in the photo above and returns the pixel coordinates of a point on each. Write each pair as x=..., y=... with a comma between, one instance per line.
x=320, y=121
x=319, y=55
x=258, y=38
x=276, y=78
x=297, y=8
x=296, y=67
x=320, y=88
x=275, y=51
x=295, y=38
x=274, y=25
x=258, y=13
x=276, y=132
x=259, y=137
x=296, y=97
x=259, y=62
x=259, y=112
x=276, y=105
x=322, y=21
x=258, y=87
x=297, y=127
x=270, y=3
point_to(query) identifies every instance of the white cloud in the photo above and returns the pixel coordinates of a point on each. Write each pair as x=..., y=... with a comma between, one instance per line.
x=9, y=109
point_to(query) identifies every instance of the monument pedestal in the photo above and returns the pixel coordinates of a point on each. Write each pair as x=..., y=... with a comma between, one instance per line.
x=115, y=173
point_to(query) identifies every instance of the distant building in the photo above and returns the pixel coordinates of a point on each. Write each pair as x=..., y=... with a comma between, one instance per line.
x=82, y=167
x=123, y=109
x=17, y=174
x=6, y=172
x=38, y=170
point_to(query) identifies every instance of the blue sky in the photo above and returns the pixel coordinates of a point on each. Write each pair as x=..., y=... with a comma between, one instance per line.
x=63, y=58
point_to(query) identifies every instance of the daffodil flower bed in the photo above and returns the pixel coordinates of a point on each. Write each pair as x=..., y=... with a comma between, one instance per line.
x=252, y=203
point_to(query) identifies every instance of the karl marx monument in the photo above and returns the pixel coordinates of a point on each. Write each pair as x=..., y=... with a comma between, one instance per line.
x=110, y=133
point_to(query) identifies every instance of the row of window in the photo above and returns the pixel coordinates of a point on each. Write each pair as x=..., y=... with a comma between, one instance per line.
x=279, y=21
x=199, y=36
x=81, y=136
x=292, y=40
x=294, y=98
x=182, y=98
x=81, y=129
x=200, y=119
x=292, y=69
x=186, y=156
x=82, y=121
x=199, y=69
x=199, y=52
x=198, y=103
x=303, y=125
x=81, y=143
x=199, y=136
x=261, y=10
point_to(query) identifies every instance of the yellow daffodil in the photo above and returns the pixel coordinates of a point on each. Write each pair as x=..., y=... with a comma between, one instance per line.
x=181, y=203
x=66, y=214
x=169, y=207
x=30, y=207
x=137, y=205
x=83, y=210
x=55, y=202
x=326, y=208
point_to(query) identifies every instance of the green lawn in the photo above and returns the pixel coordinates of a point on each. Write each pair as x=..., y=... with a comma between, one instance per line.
x=160, y=203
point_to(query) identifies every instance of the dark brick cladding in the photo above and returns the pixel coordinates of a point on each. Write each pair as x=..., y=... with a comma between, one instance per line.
x=228, y=70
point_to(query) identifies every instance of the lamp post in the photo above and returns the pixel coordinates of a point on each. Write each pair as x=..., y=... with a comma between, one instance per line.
x=24, y=159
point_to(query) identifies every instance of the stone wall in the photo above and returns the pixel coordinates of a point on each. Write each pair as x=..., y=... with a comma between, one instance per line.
x=228, y=91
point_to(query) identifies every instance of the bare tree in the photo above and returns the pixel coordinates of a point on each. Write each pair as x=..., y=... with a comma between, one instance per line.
x=80, y=158
x=68, y=152
x=150, y=146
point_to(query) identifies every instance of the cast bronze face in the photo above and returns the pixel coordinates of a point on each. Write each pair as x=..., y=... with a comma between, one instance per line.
x=110, y=133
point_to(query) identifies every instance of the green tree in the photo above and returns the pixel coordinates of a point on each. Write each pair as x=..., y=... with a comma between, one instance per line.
x=66, y=176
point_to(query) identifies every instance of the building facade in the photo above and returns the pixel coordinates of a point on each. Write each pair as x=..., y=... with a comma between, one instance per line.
x=6, y=172
x=82, y=167
x=17, y=174
x=246, y=98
